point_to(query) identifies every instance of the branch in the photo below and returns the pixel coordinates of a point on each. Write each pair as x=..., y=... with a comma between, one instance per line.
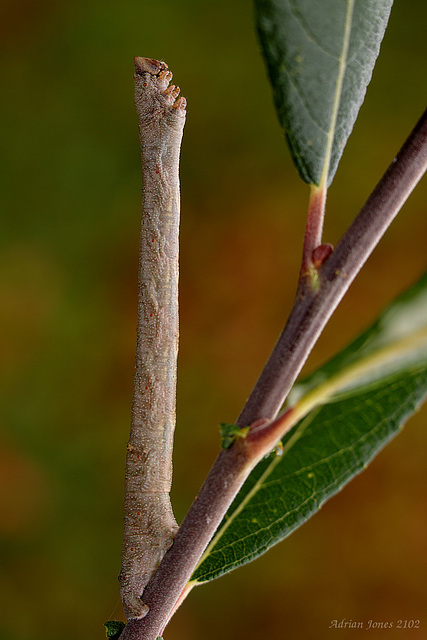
x=311, y=311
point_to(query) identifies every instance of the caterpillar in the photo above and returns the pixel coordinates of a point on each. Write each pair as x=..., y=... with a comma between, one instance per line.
x=149, y=523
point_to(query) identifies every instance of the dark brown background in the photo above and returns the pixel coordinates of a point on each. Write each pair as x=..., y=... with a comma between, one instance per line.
x=70, y=203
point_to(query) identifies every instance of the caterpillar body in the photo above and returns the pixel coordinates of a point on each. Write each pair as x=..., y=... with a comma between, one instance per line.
x=149, y=523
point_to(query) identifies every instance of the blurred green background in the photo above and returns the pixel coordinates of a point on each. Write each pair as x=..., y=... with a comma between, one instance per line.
x=70, y=205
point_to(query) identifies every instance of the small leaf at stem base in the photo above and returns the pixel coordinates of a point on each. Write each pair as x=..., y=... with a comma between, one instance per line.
x=230, y=433
x=114, y=628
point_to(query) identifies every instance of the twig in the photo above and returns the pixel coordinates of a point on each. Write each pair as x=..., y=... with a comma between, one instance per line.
x=312, y=310
x=309, y=315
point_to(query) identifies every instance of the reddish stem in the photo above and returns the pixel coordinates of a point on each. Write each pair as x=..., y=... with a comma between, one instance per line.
x=313, y=228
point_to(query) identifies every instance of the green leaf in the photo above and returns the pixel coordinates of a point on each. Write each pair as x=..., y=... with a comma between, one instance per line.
x=320, y=56
x=114, y=628
x=350, y=409
x=230, y=432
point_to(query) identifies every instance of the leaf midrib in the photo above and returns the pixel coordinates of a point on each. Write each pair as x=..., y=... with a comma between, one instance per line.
x=338, y=91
